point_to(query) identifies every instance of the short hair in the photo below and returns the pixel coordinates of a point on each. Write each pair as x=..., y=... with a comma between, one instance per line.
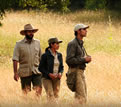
x=75, y=33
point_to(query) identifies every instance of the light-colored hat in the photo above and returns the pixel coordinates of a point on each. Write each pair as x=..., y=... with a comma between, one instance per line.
x=54, y=40
x=28, y=27
x=80, y=26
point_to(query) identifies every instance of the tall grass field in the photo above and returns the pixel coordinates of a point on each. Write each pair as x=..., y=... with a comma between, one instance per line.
x=103, y=43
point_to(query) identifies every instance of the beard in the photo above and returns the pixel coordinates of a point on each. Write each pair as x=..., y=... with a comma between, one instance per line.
x=29, y=37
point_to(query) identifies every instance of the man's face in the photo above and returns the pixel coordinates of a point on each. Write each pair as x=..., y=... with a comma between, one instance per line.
x=29, y=34
x=82, y=32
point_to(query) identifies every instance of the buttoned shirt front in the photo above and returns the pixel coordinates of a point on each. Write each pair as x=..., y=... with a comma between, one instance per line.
x=56, y=63
x=28, y=55
x=76, y=54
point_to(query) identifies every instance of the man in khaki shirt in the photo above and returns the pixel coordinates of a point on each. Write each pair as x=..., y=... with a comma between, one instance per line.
x=27, y=53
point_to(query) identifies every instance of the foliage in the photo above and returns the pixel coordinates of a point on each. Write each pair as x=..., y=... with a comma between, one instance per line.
x=58, y=5
x=114, y=4
x=103, y=4
x=95, y=4
x=77, y=4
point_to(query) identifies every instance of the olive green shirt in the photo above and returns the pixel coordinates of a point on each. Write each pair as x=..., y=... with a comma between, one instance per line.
x=75, y=54
x=28, y=55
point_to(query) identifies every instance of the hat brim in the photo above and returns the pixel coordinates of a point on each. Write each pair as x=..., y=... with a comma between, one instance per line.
x=86, y=27
x=60, y=41
x=22, y=32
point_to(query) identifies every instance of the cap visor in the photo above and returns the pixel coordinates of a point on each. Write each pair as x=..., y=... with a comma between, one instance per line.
x=86, y=26
x=60, y=41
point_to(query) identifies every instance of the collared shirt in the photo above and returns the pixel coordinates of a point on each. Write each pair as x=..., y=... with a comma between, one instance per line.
x=56, y=63
x=75, y=54
x=28, y=55
x=82, y=47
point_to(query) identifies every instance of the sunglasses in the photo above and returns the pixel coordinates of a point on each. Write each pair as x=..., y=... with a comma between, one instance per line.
x=82, y=29
x=55, y=42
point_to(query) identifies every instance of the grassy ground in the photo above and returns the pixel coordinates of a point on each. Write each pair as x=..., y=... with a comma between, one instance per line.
x=102, y=43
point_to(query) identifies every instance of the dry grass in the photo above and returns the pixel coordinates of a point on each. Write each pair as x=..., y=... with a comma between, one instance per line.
x=102, y=74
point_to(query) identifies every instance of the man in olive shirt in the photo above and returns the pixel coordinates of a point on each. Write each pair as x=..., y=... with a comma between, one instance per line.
x=77, y=59
x=27, y=53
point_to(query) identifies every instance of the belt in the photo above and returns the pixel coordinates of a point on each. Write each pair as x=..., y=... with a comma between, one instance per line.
x=79, y=67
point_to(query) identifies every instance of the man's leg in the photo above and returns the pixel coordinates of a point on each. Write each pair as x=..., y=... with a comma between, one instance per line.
x=37, y=84
x=81, y=91
x=26, y=84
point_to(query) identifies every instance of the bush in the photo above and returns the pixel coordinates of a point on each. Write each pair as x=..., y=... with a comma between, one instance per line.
x=95, y=4
x=59, y=5
x=114, y=4
x=77, y=4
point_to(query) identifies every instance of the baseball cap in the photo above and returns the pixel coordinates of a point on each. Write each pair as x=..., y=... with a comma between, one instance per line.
x=80, y=26
x=54, y=40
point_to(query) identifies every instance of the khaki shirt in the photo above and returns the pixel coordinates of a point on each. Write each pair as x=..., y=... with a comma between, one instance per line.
x=56, y=63
x=28, y=55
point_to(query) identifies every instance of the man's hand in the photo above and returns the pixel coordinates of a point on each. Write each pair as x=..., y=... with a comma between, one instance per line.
x=88, y=59
x=53, y=76
x=16, y=77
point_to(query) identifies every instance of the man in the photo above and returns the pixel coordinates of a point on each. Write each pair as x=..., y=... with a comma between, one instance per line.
x=77, y=59
x=27, y=53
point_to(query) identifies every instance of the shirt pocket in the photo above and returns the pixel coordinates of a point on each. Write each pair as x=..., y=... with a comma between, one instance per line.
x=24, y=51
x=36, y=50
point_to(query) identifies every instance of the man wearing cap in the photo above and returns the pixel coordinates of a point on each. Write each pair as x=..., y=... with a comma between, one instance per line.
x=77, y=59
x=27, y=53
x=51, y=66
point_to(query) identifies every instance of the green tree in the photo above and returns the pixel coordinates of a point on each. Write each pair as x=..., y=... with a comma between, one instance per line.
x=77, y=4
x=114, y=4
x=95, y=4
x=59, y=5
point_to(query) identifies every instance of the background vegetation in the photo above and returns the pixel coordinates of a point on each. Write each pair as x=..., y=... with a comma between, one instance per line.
x=58, y=5
x=57, y=18
x=103, y=43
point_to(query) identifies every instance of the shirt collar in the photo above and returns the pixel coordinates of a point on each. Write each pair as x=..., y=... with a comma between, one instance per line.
x=52, y=52
x=80, y=41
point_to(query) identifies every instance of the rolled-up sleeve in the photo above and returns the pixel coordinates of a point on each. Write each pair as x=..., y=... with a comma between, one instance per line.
x=16, y=53
x=71, y=58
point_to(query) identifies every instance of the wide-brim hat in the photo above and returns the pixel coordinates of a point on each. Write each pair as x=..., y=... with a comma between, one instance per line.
x=54, y=40
x=80, y=26
x=28, y=27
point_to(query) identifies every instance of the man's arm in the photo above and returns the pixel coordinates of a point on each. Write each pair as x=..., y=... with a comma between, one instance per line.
x=15, y=65
x=15, y=61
